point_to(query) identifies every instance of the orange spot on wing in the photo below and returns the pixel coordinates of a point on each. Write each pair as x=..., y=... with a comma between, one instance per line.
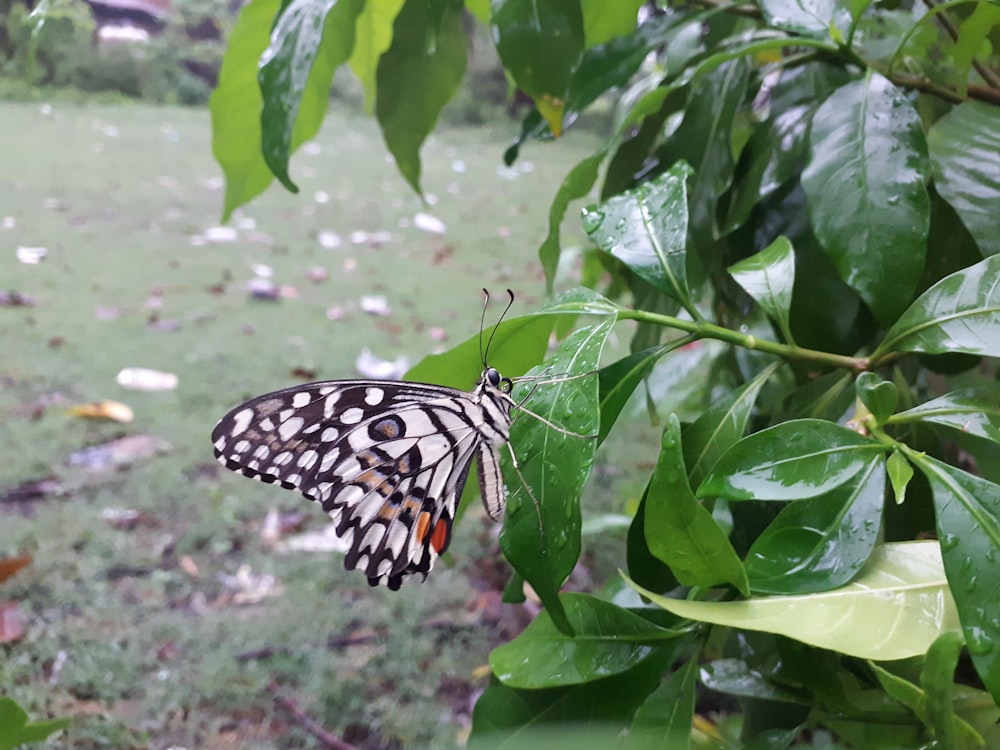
x=423, y=523
x=440, y=537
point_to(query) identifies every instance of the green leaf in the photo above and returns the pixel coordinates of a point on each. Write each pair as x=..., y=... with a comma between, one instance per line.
x=960, y=313
x=576, y=185
x=868, y=161
x=768, y=277
x=894, y=610
x=308, y=43
x=879, y=396
x=680, y=531
x=736, y=677
x=607, y=640
x=618, y=382
x=900, y=474
x=968, y=525
x=540, y=45
x=776, y=151
x=937, y=678
x=587, y=716
x=901, y=690
x=646, y=229
x=721, y=426
x=373, y=35
x=416, y=77
x=16, y=730
x=965, y=157
x=774, y=739
x=541, y=533
x=602, y=21
x=807, y=17
x=821, y=543
x=974, y=411
x=793, y=460
x=236, y=106
x=643, y=567
x=480, y=9
x=664, y=719
x=704, y=139
x=518, y=344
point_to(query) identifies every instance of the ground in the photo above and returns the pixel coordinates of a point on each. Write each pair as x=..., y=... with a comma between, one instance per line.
x=159, y=608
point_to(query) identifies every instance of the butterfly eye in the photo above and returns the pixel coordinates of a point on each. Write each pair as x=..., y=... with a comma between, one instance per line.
x=494, y=377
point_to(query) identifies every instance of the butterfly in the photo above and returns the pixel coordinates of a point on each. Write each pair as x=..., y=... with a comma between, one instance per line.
x=387, y=460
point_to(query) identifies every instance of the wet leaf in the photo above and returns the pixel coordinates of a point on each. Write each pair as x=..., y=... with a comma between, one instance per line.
x=10, y=565
x=895, y=609
x=794, y=460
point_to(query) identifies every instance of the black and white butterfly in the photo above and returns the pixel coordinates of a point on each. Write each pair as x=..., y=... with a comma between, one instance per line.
x=388, y=460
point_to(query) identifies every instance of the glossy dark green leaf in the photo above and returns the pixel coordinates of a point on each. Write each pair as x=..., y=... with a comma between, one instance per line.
x=965, y=155
x=608, y=640
x=664, y=719
x=540, y=45
x=794, y=460
x=310, y=40
x=878, y=395
x=868, y=160
x=900, y=474
x=827, y=397
x=975, y=411
x=416, y=77
x=643, y=567
x=576, y=185
x=587, y=716
x=541, y=533
x=373, y=35
x=603, y=21
x=680, y=531
x=776, y=151
x=807, y=17
x=720, y=427
x=704, y=139
x=646, y=229
x=768, y=277
x=736, y=677
x=611, y=63
x=960, y=313
x=968, y=523
x=619, y=380
x=821, y=543
x=236, y=105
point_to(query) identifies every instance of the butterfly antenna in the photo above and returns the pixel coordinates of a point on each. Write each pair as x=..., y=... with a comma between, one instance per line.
x=493, y=332
x=482, y=322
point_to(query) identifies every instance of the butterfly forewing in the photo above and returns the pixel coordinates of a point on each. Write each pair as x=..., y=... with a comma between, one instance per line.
x=387, y=460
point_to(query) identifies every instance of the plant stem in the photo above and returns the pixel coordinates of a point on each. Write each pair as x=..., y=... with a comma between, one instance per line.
x=704, y=330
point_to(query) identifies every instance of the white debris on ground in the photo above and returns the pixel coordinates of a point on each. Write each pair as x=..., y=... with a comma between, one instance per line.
x=370, y=366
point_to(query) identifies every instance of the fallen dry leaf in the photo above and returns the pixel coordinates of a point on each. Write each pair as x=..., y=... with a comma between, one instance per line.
x=10, y=565
x=113, y=410
x=11, y=622
x=117, y=453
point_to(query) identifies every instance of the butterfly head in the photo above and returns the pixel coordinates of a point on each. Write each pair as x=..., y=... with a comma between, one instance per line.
x=494, y=379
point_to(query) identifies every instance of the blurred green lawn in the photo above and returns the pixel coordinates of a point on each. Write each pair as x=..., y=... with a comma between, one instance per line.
x=119, y=634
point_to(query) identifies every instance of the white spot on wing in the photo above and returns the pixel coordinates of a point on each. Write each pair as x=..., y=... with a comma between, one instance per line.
x=290, y=427
x=241, y=420
x=352, y=415
x=374, y=396
x=301, y=399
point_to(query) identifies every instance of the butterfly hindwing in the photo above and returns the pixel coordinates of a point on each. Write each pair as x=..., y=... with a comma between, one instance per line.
x=387, y=461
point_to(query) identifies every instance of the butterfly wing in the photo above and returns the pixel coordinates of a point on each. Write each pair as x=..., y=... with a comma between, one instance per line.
x=387, y=460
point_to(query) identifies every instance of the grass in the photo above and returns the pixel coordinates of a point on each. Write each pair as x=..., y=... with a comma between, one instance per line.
x=132, y=631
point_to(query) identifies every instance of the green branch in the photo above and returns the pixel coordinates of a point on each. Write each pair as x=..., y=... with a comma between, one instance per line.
x=705, y=330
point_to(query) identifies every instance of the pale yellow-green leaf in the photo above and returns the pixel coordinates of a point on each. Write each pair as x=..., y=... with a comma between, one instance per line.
x=373, y=35
x=895, y=609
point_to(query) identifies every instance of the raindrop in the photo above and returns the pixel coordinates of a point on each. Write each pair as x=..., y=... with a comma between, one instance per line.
x=592, y=220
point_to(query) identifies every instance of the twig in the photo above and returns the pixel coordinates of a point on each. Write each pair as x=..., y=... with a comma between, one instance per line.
x=325, y=738
x=988, y=75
